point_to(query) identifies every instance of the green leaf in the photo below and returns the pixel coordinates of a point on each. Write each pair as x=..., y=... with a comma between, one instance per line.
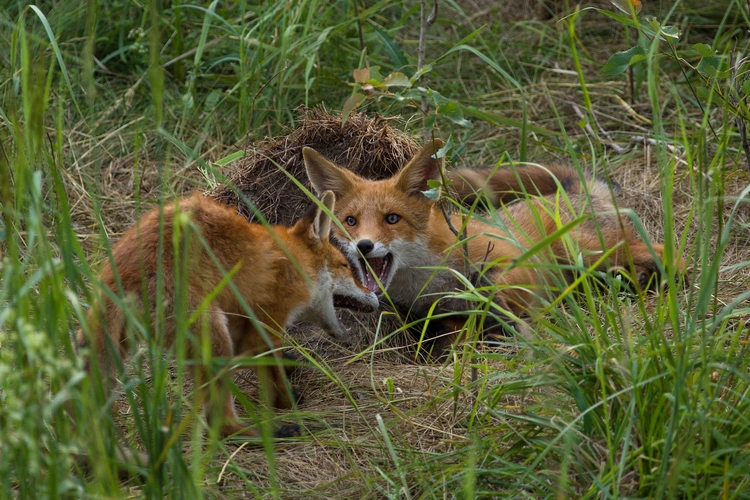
x=620, y=61
x=713, y=67
x=655, y=25
x=396, y=79
x=708, y=66
x=446, y=147
x=669, y=34
x=436, y=97
x=746, y=87
x=704, y=50
x=453, y=112
x=375, y=74
x=672, y=34
x=429, y=123
x=425, y=69
x=432, y=193
x=350, y=105
x=411, y=94
x=626, y=5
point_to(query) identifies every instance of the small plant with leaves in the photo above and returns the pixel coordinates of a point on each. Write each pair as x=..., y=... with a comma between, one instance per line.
x=712, y=75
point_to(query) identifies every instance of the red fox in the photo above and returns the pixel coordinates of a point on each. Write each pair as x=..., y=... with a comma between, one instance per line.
x=400, y=236
x=282, y=274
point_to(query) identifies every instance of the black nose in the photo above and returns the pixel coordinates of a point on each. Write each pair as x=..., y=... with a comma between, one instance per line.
x=365, y=246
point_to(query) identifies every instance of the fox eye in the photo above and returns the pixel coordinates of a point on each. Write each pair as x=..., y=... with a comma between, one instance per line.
x=392, y=218
x=351, y=221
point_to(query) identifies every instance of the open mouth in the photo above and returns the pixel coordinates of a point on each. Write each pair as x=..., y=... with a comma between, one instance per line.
x=380, y=266
x=342, y=301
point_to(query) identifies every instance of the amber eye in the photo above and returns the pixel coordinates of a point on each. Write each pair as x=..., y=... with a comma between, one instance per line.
x=392, y=218
x=351, y=221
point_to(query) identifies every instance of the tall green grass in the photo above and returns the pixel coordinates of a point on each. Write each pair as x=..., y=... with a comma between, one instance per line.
x=617, y=395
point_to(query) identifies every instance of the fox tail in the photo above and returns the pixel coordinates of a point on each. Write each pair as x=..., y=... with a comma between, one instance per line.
x=506, y=184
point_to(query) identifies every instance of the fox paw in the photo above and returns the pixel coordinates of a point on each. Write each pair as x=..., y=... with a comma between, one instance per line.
x=297, y=397
x=287, y=431
x=293, y=361
x=497, y=330
x=649, y=278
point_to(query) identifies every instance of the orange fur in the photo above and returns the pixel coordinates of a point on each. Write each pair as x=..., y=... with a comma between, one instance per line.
x=397, y=231
x=283, y=274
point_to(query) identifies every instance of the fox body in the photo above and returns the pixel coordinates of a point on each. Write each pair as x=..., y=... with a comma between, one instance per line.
x=283, y=274
x=401, y=237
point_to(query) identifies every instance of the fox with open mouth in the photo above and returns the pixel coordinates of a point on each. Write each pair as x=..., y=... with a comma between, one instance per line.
x=245, y=282
x=405, y=246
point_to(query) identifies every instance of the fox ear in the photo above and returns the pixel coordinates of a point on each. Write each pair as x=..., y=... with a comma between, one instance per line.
x=412, y=179
x=324, y=175
x=321, y=226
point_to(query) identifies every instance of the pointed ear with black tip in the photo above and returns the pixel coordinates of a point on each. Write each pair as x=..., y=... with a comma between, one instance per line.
x=320, y=229
x=325, y=176
x=412, y=179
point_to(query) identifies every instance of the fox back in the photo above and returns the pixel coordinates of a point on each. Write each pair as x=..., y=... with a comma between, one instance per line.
x=399, y=234
x=278, y=275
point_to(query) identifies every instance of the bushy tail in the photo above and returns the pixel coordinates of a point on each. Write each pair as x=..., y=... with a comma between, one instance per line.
x=506, y=184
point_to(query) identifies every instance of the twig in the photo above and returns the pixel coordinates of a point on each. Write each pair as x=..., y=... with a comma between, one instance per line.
x=359, y=28
x=459, y=237
x=448, y=220
x=610, y=143
x=589, y=130
x=425, y=22
x=252, y=104
x=739, y=120
x=194, y=50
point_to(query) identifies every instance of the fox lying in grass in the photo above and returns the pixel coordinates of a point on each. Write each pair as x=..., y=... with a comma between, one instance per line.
x=282, y=274
x=399, y=236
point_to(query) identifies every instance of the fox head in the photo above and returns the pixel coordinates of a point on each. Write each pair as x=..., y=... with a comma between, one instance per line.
x=335, y=284
x=386, y=221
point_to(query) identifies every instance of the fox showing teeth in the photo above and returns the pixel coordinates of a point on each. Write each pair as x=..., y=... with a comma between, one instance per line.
x=381, y=266
x=399, y=235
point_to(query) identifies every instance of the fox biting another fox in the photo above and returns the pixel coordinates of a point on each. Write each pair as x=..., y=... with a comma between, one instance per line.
x=245, y=282
x=241, y=283
x=404, y=245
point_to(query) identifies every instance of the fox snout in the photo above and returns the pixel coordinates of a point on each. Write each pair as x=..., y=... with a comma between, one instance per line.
x=365, y=247
x=376, y=264
x=366, y=303
x=347, y=294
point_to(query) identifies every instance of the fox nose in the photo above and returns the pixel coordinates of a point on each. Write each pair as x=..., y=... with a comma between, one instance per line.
x=365, y=246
